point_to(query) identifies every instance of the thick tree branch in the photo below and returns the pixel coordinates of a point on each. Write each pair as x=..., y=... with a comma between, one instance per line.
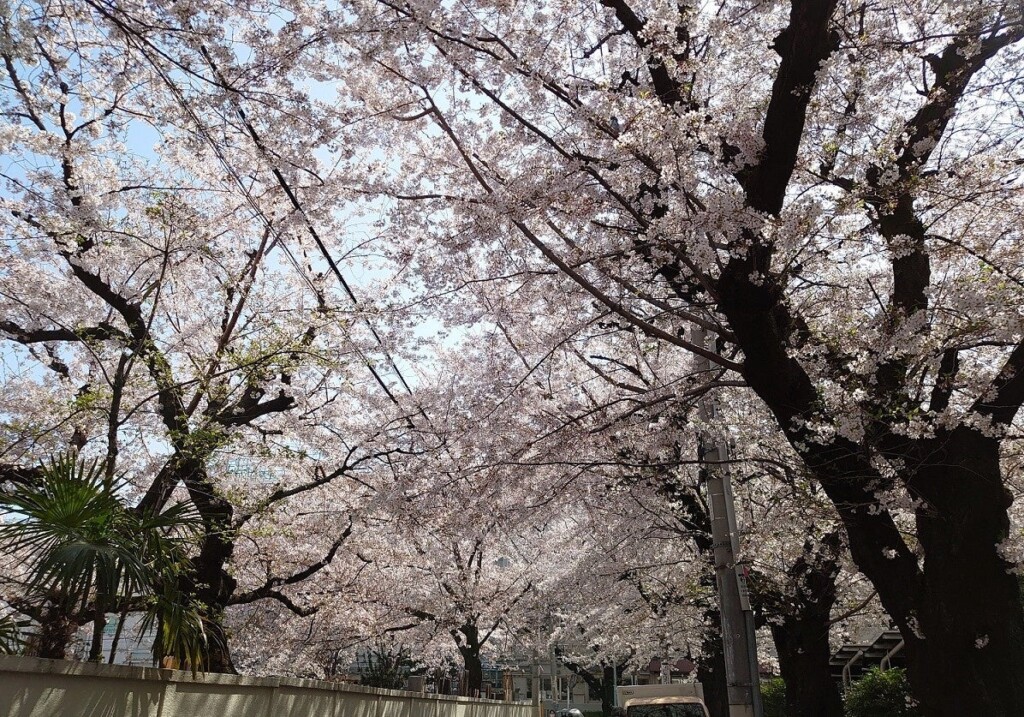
x=287, y=602
x=251, y=408
x=893, y=188
x=893, y=195
x=270, y=587
x=101, y=332
x=20, y=475
x=668, y=89
x=1006, y=394
x=803, y=46
x=942, y=391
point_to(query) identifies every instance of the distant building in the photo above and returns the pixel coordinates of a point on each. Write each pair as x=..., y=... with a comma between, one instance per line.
x=882, y=649
x=560, y=687
x=133, y=647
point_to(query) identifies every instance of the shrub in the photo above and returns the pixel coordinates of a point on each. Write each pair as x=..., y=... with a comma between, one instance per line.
x=387, y=666
x=773, y=697
x=880, y=694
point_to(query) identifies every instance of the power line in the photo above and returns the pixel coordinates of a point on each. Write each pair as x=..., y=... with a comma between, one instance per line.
x=297, y=205
x=258, y=212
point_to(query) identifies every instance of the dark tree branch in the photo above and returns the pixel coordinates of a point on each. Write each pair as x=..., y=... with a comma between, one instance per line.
x=803, y=46
x=250, y=408
x=1006, y=394
x=668, y=89
x=270, y=587
x=287, y=602
x=944, y=381
x=20, y=475
x=893, y=188
x=101, y=332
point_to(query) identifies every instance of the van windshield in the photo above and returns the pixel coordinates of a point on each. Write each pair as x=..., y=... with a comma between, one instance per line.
x=684, y=710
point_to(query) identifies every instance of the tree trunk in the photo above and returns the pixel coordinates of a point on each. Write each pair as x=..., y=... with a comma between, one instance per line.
x=965, y=634
x=99, y=622
x=469, y=648
x=211, y=585
x=800, y=622
x=607, y=690
x=711, y=668
x=55, y=631
x=804, y=651
x=474, y=672
x=219, y=652
x=960, y=611
x=117, y=635
x=215, y=595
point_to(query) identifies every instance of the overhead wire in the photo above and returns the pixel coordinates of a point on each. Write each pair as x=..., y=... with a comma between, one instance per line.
x=258, y=212
x=289, y=192
x=221, y=81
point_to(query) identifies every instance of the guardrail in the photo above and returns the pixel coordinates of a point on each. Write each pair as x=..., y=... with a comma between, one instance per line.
x=33, y=687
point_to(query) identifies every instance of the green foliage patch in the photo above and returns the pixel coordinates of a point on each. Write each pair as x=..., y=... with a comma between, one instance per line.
x=773, y=697
x=880, y=694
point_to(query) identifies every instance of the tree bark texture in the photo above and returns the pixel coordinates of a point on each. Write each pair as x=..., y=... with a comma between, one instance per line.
x=469, y=648
x=800, y=629
x=711, y=668
x=55, y=631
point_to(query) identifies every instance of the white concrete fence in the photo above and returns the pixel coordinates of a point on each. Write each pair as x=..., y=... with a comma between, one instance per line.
x=32, y=687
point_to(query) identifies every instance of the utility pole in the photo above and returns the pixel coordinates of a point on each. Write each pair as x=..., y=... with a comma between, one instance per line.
x=535, y=685
x=739, y=644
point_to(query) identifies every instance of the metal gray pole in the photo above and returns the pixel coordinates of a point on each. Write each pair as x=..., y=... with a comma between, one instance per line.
x=615, y=684
x=738, y=639
x=535, y=683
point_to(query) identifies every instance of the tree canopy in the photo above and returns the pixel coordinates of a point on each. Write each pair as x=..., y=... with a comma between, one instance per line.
x=388, y=290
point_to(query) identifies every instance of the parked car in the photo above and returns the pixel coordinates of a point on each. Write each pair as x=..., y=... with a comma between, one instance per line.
x=672, y=700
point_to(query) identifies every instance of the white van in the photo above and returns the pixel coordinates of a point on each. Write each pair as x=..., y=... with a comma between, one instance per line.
x=682, y=699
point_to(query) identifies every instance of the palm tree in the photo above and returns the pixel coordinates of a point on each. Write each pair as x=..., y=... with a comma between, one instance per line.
x=11, y=641
x=179, y=626
x=90, y=551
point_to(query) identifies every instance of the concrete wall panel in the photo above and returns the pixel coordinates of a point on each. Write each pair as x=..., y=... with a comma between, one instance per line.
x=292, y=701
x=190, y=698
x=355, y=706
x=31, y=687
x=39, y=695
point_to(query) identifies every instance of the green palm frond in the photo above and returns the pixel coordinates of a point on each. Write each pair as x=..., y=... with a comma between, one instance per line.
x=84, y=544
x=180, y=628
x=12, y=633
x=78, y=532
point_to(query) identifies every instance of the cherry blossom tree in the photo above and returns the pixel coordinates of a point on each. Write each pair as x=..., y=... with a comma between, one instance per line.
x=623, y=437
x=158, y=305
x=460, y=553
x=830, y=187
x=634, y=592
